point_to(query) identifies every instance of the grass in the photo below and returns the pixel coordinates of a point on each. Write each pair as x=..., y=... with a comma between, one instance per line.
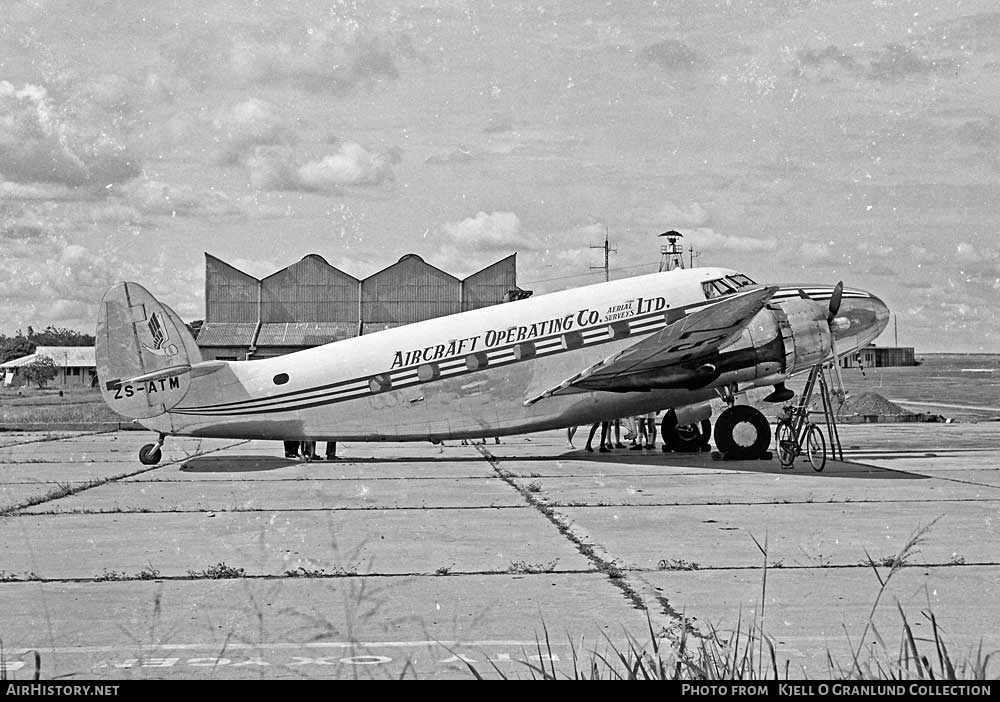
x=676, y=564
x=519, y=567
x=749, y=653
x=45, y=407
x=219, y=571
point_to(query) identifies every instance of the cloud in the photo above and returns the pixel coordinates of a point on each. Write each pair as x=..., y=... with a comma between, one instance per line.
x=332, y=57
x=40, y=144
x=278, y=168
x=897, y=62
x=673, y=217
x=704, y=238
x=812, y=252
x=461, y=154
x=496, y=231
x=824, y=64
x=48, y=278
x=984, y=133
x=247, y=124
x=155, y=197
x=351, y=165
x=670, y=55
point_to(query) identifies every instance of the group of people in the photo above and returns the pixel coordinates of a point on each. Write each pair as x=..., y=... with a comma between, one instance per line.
x=643, y=435
x=307, y=450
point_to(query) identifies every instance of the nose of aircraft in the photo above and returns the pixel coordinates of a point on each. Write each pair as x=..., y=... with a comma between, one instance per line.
x=861, y=318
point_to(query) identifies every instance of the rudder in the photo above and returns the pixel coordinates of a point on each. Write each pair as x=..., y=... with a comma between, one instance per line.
x=144, y=353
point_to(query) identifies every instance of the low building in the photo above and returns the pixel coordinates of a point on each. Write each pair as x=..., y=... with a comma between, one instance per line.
x=75, y=367
x=873, y=356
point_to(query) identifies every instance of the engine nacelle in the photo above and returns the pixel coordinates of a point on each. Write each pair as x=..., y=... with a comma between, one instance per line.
x=689, y=414
x=805, y=332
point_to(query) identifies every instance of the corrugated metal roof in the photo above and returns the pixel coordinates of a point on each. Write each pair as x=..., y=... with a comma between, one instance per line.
x=304, y=333
x=310, y=290
x=231, y=296
x=489, y=285
x=372, y=327
x=227, y=334
x=64, y=357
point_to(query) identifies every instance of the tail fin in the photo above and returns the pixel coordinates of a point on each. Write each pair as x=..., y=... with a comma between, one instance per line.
x=144, y=353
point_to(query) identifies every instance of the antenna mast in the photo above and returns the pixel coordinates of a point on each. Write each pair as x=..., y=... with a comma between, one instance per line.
x=607, y=250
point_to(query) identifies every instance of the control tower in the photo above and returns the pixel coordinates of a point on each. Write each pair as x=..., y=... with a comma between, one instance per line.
x=671, y=252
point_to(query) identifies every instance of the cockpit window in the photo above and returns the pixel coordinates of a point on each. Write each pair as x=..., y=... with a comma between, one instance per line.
x=740, y=280
x=718, y=288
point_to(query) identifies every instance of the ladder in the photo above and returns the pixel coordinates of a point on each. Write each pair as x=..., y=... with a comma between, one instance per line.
x=818, y=374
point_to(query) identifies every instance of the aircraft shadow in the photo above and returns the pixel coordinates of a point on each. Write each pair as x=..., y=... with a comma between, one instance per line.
x=833, y=469
x=236, y=464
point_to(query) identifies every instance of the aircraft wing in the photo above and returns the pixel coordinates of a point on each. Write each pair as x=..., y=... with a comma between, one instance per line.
x=687, y=344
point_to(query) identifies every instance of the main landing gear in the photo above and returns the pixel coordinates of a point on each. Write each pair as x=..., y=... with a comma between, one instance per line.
x=742, y=433
x=685, y=438
x=149, y=455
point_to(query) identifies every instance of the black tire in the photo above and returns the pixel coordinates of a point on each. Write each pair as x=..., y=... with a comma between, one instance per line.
x=149, y=455
x=688, y=438
x=742, y=433
x=784, y=443
x=816, y=448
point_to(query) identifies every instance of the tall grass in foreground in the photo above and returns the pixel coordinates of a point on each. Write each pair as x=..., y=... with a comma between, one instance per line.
x=742, y=656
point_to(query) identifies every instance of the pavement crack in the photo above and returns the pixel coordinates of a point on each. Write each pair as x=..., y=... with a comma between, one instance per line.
x=600, y=559
x=66, y=490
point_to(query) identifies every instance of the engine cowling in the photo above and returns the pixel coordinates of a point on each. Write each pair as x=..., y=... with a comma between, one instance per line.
x=805, y=332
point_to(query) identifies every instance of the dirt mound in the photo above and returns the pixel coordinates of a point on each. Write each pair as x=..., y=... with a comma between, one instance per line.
x=871, y=403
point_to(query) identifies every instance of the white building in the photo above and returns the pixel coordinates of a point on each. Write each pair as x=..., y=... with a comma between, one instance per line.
x=75, y=366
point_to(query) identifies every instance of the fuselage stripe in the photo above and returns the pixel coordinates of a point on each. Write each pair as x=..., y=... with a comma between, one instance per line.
x=405, y=377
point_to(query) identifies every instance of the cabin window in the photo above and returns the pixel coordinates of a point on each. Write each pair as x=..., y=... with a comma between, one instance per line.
x=380, y=383
x=618, y=330
x=280, y=378
x=524, y=350
x=717, y=288
x=740, y=280
x=428, y=372
x=475, y=361
x=572, y=340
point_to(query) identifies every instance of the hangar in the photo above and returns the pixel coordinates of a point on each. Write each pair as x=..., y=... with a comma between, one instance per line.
x=311, y=302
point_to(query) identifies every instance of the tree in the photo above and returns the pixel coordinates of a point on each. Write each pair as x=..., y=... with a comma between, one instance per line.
x=15, y=347
x=40, y=371
x=57, y=336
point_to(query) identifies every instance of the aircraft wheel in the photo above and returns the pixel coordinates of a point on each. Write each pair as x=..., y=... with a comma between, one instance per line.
x=149, y=455
x=742, y=433
x=688, y=438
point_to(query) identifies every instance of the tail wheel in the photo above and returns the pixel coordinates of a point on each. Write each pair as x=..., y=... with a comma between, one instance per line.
x=743, y=433
x=816, y=448
x=687, y=438
x=149, y=455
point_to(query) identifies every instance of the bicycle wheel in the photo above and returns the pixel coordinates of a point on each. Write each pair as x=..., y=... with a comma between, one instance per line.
x=816, y=447
x=785, y=443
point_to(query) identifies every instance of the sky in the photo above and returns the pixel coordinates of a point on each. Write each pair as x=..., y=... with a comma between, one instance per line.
x=795, y=141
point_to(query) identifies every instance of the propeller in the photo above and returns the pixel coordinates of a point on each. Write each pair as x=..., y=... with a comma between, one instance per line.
x=835, y=298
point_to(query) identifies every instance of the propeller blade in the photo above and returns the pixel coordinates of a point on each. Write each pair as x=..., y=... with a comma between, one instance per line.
x=841, y=391
x=838, y=293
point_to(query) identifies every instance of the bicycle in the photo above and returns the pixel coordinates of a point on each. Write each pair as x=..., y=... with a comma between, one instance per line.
x=794, y=431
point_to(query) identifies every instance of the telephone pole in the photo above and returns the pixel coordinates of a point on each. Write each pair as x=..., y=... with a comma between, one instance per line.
x=607, y=250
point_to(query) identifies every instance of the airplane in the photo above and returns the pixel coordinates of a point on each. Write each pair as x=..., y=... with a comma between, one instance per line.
x=670, y=341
